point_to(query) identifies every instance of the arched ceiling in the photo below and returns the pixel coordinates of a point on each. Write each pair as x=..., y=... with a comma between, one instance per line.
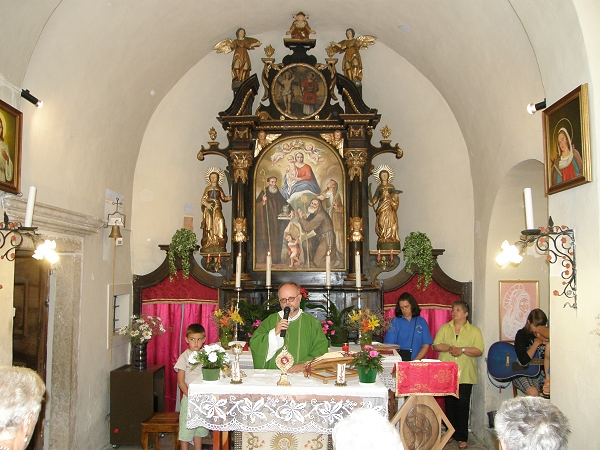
x=102, y=63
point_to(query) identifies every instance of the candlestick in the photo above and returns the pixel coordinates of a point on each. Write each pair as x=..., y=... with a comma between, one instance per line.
x=328, y=268
x=528, y=209
x=30, y=205
x=357, y=265
x=269, y=263
x=238, y=270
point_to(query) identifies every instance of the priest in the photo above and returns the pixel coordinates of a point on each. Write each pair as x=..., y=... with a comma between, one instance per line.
x=303, y=335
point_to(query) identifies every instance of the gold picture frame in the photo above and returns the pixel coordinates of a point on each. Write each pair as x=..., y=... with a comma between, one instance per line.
x=11, y=123
x=567, y=153
x=517, y=299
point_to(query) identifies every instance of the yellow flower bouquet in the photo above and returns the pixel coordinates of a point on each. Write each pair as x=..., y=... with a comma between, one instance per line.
x=226, y=320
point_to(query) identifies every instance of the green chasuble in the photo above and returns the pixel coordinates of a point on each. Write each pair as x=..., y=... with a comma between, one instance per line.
x=304, y=338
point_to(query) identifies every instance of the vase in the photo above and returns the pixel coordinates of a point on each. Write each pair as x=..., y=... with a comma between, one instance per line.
x=339, y=338
x=366, y=375
x=366, y=339
x=210, y=374
x=226, y=338
x=138, y=356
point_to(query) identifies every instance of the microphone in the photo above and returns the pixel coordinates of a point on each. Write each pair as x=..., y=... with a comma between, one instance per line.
x=286, y=314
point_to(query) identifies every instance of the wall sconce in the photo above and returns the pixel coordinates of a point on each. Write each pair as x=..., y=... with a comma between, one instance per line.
x=30, y=98
x=13, y=234
x=559, y=244
x=116, y=220
x=533, y=107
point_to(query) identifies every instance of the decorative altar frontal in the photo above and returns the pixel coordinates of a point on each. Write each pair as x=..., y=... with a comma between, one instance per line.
x=427, y=378
x=259, y=405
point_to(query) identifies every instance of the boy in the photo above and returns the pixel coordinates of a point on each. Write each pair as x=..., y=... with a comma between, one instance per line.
x=195, y=336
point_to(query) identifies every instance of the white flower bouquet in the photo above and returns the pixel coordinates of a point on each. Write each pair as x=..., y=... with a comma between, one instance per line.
x=212, y=356
x=141, y=329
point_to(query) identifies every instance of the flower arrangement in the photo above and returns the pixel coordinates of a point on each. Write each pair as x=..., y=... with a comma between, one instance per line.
x=365, y=320
x=328, y=328
x=226, y=319
x=418, y=252
x=303, y=298
x=211, y=356
x=183, y=242
x=254, y=314
x=367, y=359
x=141, y=329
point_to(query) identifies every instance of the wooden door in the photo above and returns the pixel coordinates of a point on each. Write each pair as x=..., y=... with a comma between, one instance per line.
x=30, y=323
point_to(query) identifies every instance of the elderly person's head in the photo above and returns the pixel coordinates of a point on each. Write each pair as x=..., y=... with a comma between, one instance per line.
x=21, y=394
x=365, y=429
x=531, y=423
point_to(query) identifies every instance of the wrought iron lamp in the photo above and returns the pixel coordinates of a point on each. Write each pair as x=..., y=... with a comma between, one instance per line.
x=12, y=235
x=559, y=244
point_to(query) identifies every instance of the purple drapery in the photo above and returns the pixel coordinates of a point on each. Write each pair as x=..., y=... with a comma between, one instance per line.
x=165, y=349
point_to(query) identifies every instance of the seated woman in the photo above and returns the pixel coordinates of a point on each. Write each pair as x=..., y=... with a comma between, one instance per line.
x=409, y=330
x=529, y=339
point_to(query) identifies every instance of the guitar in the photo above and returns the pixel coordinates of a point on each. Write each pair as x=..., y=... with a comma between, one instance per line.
x=503, y=364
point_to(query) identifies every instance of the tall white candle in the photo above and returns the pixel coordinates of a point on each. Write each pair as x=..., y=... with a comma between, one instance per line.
x=328, y=269
x=30, y=205
x=357, y=265
x=269, y=263
x=528, y=208
x=238, y=270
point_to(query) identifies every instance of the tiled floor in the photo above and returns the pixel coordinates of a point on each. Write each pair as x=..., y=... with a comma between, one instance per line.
x=166, y=443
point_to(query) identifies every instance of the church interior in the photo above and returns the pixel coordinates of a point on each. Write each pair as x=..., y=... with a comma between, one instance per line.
x=143, y=105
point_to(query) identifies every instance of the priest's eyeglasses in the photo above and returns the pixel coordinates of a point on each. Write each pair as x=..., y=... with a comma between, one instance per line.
x=289, y=299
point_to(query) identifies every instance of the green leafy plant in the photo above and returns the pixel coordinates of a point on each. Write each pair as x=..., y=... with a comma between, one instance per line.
x=367, y=359
x=212, y=356
x=337, y=318
x=418, y=252
x=182, y=243
x=253, y=315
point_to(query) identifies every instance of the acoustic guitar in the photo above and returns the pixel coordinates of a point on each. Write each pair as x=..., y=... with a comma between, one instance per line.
x=503, y=363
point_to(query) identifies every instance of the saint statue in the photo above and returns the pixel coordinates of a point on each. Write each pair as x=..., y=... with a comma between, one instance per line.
x=387, y=200
x=300, y=28
x=352, y=63
x=240, y=65
x=214, y=238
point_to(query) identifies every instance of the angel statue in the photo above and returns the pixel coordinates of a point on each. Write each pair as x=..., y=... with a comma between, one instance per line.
x=352, y=64
x=240, y=65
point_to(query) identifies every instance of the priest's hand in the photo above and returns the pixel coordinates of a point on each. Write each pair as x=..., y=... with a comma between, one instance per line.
x=297, y=368
x=281, y=325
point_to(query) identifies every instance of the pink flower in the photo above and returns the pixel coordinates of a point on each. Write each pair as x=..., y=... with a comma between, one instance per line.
x=373, y=353
x=368, y=347
x=332, y=332
x=256, y=323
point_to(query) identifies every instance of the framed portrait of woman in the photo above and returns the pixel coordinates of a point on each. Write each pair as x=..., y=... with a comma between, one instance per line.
x=517, y=299
x=11, y=129
x=567, y=142
x=299, y=208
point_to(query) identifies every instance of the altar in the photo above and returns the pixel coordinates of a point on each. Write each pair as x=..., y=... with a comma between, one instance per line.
x=259, y=405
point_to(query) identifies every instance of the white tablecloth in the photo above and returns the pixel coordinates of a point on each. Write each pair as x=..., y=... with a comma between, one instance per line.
x=386, y=377
x=259, y=405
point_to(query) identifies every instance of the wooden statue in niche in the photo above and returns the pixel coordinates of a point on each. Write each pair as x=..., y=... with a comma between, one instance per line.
x=214, y=237
x=387, y=200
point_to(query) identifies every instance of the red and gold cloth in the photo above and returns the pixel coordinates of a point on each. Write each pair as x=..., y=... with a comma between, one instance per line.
x=426, y=378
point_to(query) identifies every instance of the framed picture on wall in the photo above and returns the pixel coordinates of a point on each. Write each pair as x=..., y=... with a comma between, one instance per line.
x=567, y=155
x=11, y=130
x=517, y=299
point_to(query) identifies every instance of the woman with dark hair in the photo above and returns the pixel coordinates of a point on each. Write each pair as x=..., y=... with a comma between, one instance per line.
x=527, y=341
x=409, y=330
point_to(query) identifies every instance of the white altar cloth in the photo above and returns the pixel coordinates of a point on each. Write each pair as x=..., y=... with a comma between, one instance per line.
x=259, y=405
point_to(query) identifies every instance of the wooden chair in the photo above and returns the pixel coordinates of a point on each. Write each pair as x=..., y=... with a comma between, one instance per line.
x=160, y=422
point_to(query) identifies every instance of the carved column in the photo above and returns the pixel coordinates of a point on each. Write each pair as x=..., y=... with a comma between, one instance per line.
x=355, y=160
x=241, y=160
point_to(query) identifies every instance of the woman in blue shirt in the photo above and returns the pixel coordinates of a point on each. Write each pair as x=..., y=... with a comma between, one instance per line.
x=409, y=330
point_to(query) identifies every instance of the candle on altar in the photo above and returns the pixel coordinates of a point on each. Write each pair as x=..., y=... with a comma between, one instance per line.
x=528, y=208
x=268, y=275
x=30, y=205
x=328, y=268
x=238, y=270
x=341, y=374
x=357, y=265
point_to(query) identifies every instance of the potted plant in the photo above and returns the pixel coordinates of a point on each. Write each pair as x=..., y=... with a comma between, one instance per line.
x=254, y=314
x=183, y=242
x=368, y=363
x=226, y=320
x=140, y=331
x=365, y=322
x=212, y=358
x=334, y=326
x=418, y=252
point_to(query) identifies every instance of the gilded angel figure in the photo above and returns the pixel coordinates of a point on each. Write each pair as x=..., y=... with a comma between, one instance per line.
x=352, y=63
x=240, y=65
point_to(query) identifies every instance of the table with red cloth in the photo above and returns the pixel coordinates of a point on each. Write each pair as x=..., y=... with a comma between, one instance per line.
x=420, y=418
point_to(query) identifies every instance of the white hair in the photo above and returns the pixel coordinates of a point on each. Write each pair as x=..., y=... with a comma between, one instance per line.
x=21, y=394
x=531, y=423
x=365, y=429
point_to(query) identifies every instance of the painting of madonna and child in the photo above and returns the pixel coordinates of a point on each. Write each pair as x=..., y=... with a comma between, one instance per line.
x=299, y=214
